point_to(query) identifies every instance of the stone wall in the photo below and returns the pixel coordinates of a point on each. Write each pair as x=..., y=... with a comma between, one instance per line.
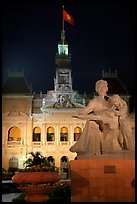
x=102, y=181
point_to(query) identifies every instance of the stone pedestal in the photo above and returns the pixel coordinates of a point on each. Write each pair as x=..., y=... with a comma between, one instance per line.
x=98, y=180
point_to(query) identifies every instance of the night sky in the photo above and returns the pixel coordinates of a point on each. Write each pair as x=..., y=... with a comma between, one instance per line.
x=103, y=37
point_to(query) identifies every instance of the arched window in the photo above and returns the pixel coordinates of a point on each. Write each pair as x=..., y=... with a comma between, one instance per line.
x=36, y=134
x=14, y=134
x=50, y=134
x=77, y=133
x=64, y=134
x=13, y=162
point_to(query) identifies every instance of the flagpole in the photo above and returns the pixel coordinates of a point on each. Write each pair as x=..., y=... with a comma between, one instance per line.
x=63, y=24
x=63, y=18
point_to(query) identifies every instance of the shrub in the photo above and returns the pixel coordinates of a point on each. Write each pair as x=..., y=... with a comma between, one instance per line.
x=20, y=198
x=12, y=170
x=62, y=192
x=38, y=163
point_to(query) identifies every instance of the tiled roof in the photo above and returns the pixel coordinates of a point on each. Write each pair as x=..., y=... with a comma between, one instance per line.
x=15, y=85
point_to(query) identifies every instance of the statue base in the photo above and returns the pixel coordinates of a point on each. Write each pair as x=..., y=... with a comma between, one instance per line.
x=98, y=180
x=127, y=154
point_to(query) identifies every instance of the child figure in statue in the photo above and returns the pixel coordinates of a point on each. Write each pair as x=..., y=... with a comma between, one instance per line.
x=120, y=110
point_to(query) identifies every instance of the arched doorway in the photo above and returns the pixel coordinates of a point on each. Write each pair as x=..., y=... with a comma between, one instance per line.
x=51, y=160
x=64, y=167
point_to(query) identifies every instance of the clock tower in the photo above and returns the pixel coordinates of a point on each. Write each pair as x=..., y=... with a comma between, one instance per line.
x=63, y=95
x=63, y=80
x=63, y=91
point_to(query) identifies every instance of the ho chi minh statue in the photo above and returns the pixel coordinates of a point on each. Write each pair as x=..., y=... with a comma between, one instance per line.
x=106, y=129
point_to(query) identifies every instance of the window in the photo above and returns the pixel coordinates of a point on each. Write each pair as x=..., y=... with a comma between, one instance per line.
x=64, y=134
x=14, y=134
x=36, y=134
x=77, y=133
x=50, y=134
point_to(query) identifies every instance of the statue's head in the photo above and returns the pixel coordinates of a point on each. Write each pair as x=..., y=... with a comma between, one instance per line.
x=116, y=100
x=101, y=87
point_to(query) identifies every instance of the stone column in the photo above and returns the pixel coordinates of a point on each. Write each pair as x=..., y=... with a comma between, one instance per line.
x=57, y=134
x=71, y=134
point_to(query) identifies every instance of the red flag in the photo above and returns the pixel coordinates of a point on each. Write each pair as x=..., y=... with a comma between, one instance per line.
x=67, y=17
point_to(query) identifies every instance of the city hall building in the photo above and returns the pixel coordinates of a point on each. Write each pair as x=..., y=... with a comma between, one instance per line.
x=43, y=122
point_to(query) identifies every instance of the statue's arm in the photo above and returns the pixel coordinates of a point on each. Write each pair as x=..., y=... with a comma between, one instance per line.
x=87, y=117
x=82, y=113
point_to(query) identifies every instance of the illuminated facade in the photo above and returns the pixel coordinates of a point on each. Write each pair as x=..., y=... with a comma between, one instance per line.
x=42, y=122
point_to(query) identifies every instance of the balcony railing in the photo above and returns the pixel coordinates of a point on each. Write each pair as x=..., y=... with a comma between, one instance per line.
x=64, y=142
x=13, y=143
x=50, y=143
x=36, y=143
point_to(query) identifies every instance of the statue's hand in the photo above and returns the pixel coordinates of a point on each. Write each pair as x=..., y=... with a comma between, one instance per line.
x=74, y=116
x=93, y=117
x=80, y=116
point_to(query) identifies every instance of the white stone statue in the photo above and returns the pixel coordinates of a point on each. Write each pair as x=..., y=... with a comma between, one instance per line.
x=105, y=129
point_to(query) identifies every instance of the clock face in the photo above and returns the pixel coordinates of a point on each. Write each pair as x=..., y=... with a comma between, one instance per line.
x=63, y=79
